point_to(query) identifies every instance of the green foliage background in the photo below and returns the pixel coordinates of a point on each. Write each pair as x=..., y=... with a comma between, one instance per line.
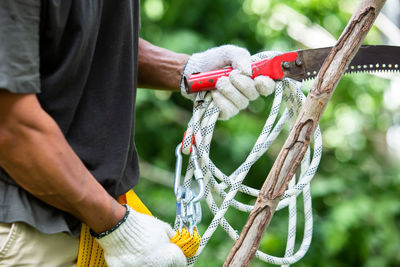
x=357, y=188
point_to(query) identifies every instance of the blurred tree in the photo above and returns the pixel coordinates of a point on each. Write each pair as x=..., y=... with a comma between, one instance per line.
x=356, y=190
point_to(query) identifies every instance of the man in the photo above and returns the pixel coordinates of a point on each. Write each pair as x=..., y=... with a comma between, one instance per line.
x=68, y=72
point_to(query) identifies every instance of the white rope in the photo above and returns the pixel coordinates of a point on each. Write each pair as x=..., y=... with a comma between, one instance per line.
x=202, y=125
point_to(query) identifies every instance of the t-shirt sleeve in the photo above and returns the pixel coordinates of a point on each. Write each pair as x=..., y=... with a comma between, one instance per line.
x=19, y=46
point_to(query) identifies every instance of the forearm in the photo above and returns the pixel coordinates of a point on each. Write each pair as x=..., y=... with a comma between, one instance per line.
x=36, y=155
x=159, y=68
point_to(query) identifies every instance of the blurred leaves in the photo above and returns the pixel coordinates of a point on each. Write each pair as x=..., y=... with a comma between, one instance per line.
x=357, y=187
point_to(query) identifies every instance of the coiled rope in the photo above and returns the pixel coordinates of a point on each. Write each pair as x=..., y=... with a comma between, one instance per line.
x=202, y=124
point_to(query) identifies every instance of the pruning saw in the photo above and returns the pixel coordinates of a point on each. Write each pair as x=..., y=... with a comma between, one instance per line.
x=302, y=65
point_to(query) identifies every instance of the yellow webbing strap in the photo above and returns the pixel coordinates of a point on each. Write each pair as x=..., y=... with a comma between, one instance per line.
x=189, y=244
x=90, y=254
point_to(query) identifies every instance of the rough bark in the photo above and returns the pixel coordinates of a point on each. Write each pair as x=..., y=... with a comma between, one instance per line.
x=299, y=138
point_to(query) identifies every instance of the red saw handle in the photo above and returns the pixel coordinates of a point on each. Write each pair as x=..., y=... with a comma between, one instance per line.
x=267, y=67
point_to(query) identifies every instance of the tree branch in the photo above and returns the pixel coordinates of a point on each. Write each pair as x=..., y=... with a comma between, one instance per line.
x=299, y=138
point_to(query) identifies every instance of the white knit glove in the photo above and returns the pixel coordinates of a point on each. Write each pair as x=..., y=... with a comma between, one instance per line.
x=264, y=84
x=140, y=240
x=234, y=92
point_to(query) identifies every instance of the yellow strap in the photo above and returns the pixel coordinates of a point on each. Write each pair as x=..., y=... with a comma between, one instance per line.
x=135, y=203
x=188, y=243
x=90, y=254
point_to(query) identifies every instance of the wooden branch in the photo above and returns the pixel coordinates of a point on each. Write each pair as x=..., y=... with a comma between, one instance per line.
x=299, y=138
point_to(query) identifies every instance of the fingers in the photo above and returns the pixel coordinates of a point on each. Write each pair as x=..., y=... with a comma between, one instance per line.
x=169, y=255
x=264, y=85
x=227, y=108
x=229, y=91
x=244, y=84
x=167, y=229
x=171, y=232
x=234, y=92
x=240, y=59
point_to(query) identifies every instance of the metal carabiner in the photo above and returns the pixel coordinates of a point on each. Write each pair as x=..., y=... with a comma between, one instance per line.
x=181, y=214
x=198, y=174
x=188, y=208
x=178, y=169
x=193, y=211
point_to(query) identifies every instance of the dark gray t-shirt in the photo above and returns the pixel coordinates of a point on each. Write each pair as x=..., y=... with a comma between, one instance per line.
x=80, y=58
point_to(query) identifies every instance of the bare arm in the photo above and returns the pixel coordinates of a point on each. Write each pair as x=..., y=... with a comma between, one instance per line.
x=159, y=68
x=36, y=155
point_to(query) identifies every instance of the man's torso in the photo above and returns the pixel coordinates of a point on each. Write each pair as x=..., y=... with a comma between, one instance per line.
x=88, y=66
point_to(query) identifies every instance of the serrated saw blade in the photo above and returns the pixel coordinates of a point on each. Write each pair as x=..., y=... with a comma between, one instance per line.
x=369, y=58
x=375, y=58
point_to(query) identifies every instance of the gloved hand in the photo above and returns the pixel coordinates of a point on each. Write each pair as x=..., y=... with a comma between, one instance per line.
x=234, y=92
x=140, y=240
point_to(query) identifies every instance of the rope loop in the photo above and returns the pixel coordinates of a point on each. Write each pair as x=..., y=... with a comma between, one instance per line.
x=187, y=143
x=201, y=128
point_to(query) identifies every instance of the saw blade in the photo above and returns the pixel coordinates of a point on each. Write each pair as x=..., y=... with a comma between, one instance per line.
x=372, y=59
x=369, y=58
